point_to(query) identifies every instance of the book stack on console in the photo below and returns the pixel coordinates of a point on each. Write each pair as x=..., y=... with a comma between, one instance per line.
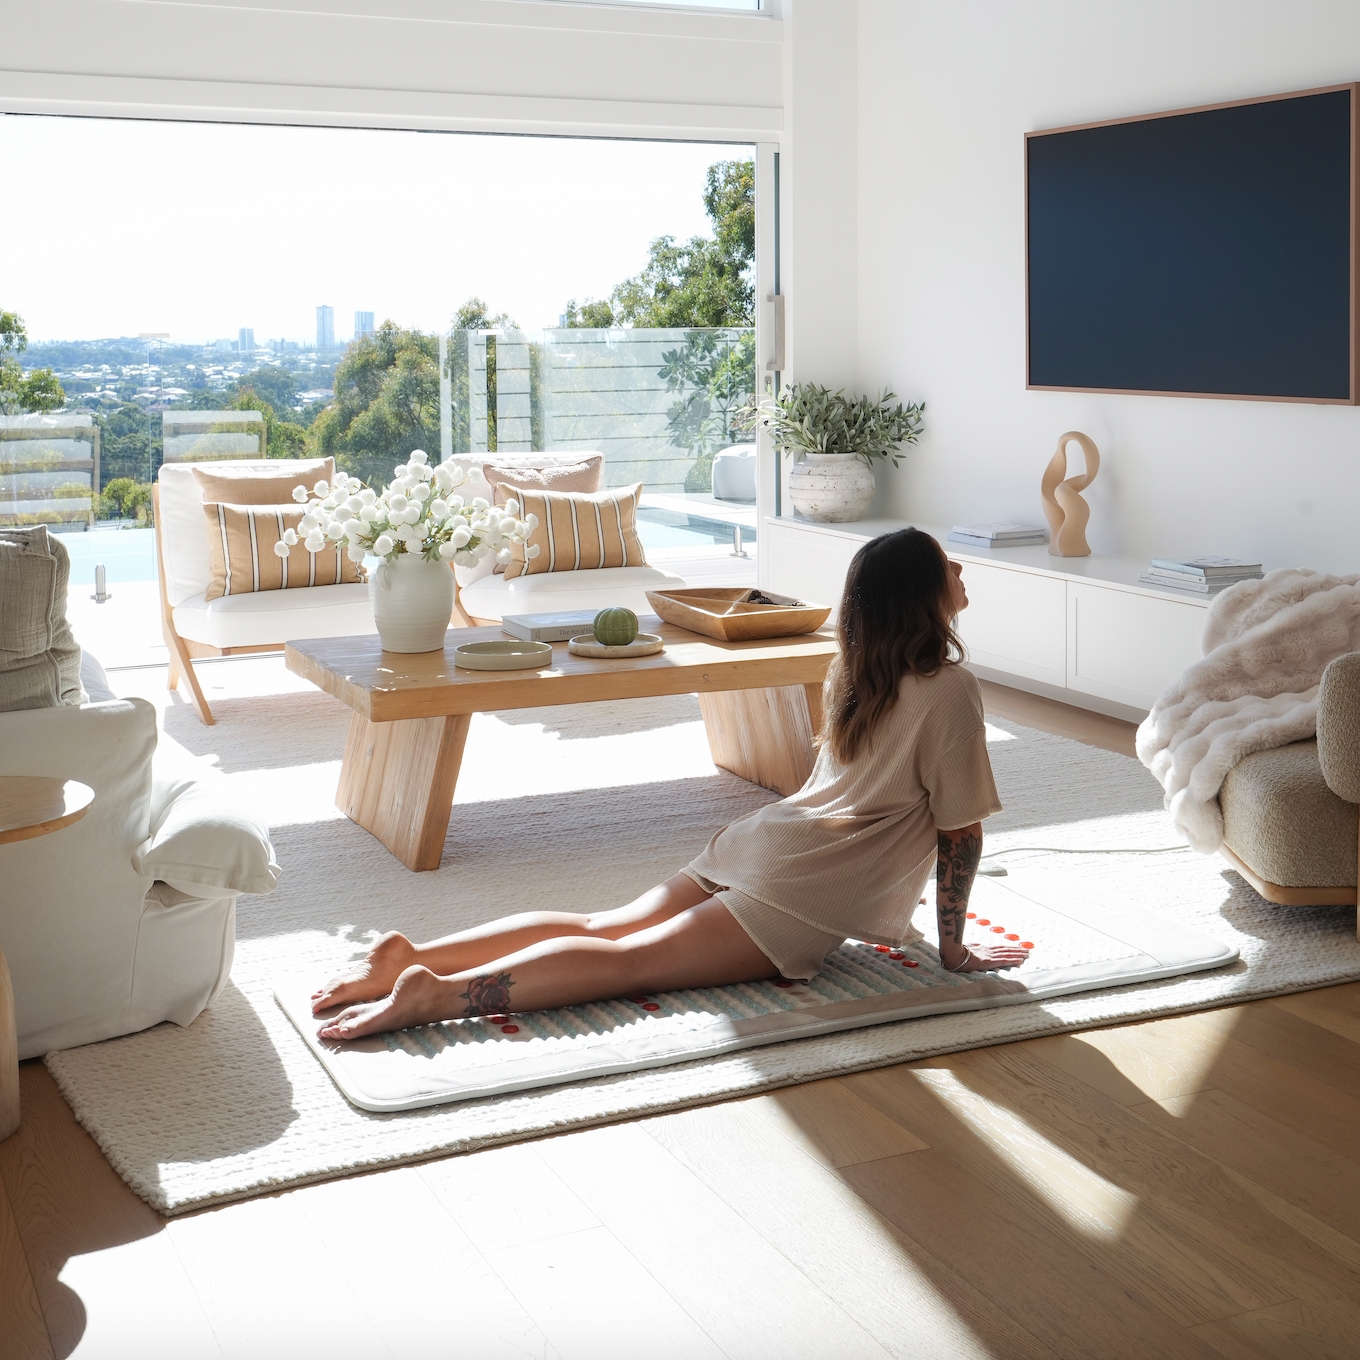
x=997, y=535
x=1204, y=575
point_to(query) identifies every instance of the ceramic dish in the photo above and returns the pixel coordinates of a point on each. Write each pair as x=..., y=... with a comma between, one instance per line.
x=503, y=656
x=645, y=644
x=729, y=614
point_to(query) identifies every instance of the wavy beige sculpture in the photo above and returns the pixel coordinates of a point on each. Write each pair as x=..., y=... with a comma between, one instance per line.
x=1064, y=509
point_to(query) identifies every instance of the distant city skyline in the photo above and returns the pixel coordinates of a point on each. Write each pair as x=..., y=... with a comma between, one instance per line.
x=570, y=218
x=363, y=325
x=325, y=327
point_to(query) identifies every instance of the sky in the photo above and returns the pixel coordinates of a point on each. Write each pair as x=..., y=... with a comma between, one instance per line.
x=199, y=229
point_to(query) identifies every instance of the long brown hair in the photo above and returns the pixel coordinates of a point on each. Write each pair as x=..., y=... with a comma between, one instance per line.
x=896, y=619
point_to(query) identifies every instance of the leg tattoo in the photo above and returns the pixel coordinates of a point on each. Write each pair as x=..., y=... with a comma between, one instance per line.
x=958, y=854
x=488, y=995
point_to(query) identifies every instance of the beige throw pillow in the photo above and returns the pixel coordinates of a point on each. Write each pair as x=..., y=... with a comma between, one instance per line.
x=242, y=560
x=260, y=486
x=582, y=476
x=579, y=532
x=39, y=657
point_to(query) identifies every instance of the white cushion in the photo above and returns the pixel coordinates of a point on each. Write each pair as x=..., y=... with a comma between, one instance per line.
x=205, y=842
x=493, y=597
x=94, y=680
x=184, y=530
x=265, y=617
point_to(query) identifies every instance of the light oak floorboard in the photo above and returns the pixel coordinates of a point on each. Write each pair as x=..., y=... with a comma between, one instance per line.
x=831, y=1124
x=1310, y=1175
x=913, y=1305
x=1333, y=1008
x=734, y=1284
x=1077, y=1173
x=1289, y=1331
x=431, y=1294
x=593, y=1298
x=507, y=1197
x=21, y=1318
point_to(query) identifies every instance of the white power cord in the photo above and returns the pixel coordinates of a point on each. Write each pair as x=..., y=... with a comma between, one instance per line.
x=998, y=872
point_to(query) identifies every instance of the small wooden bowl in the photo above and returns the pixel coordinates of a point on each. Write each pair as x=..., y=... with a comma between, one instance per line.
x=645, y=644
x=726, y=613
x=503, y=656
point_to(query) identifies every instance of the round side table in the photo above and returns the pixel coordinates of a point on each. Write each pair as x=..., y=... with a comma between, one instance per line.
x=30, y=805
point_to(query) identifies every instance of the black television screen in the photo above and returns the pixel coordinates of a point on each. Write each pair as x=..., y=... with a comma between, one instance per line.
x=1207, y=252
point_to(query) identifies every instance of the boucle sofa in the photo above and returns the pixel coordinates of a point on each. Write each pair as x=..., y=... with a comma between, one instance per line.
x=1291, y=814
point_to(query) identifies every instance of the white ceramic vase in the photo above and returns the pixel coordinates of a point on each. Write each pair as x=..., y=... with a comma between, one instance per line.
x=832, y=488
x=412, y=602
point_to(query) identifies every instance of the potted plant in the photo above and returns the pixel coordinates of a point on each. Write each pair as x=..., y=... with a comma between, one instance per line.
x=419, y=530
x=834, y=440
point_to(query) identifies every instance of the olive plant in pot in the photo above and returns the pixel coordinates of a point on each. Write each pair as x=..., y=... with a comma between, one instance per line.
x=834, y=440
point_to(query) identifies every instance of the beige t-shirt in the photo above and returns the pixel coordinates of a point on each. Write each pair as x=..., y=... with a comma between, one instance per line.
x=851, y=851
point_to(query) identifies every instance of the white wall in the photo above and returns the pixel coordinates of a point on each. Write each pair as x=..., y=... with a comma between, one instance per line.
x=479, y=65
x=946, y=92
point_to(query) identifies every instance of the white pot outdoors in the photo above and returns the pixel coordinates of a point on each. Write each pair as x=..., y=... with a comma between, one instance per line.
x=832, y=488
x=412, y=603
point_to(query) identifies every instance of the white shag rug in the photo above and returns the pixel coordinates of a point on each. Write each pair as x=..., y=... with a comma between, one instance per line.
x=620, y=796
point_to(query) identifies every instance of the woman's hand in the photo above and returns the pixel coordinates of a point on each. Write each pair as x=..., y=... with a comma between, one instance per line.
x=984, y=958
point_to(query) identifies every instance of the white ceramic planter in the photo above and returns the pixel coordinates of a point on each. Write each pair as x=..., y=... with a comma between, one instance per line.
x=412, y=602
x=833, y=488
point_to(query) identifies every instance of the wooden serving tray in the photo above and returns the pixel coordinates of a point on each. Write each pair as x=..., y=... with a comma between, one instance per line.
x=727, y=613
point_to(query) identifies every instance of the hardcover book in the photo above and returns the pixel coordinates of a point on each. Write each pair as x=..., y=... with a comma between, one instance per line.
x=549, y=627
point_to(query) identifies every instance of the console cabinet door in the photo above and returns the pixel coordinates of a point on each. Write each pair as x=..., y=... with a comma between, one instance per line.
x=1015, y=622
x=806, y=563
x=1128, y=647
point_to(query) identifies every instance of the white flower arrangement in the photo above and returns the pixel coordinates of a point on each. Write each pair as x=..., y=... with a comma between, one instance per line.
x=415, y=514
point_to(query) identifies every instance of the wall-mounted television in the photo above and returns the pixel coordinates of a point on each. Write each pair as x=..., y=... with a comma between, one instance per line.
x=1207, y=252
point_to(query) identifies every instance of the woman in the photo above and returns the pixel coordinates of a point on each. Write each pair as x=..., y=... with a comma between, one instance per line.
x=902, y=779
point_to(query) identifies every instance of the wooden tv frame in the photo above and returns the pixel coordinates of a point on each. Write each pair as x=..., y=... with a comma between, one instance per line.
x=1354, y=398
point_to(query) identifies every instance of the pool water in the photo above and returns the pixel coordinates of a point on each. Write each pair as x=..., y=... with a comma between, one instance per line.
x=129, y=554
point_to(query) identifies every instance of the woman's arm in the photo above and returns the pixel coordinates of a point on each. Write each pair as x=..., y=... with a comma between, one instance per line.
x=958, y=854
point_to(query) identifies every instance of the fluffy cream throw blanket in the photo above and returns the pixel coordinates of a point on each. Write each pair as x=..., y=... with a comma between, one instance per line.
x=1265, y=644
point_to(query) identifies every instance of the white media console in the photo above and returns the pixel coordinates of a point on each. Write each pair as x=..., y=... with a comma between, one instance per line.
x=1083, y=630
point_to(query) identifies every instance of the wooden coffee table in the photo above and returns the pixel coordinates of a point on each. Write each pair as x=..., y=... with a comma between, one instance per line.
x=30, y=806
x=761, y=703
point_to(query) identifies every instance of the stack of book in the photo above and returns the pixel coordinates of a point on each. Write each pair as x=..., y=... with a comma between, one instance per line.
x=997, y=535
x=1204, y=575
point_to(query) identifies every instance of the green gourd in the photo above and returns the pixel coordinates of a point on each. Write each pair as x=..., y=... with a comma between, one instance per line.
x=615, y=627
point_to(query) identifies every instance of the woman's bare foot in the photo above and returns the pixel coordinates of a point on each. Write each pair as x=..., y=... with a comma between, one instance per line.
x=985, y=958
x=418, y=997
x=371, y=979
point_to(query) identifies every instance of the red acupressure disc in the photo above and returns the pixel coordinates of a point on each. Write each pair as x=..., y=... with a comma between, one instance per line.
x=911, y=963
x=783, y=982
x=972, y=915
x=498, y=1019
x=880, y=948
x=1012, y=937
x=1026, y=944
x=509, y=1029
x=983, y=921
x=651, y=1006
x=998, y=930
x=894, y=956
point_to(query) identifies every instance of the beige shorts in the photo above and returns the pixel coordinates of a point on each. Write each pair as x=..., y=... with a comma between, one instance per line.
x=797, y=949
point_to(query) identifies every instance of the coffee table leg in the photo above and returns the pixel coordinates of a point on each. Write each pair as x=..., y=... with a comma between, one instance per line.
x=9, y=1057
x=765, y=735
x=398, y=780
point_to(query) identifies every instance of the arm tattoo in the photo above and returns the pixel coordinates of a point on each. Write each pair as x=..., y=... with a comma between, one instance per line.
x=487, y=995
x=958, y=854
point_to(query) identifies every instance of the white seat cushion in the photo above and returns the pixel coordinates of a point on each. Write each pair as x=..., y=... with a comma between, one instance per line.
x=493, y=597
x=271, y=616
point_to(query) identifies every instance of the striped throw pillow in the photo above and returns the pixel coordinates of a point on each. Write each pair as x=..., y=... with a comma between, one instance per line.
x=242, y=560
x=577, y=531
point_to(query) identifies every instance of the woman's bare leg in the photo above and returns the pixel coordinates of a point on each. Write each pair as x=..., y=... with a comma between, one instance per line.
x=479, y=946
x=700, y=946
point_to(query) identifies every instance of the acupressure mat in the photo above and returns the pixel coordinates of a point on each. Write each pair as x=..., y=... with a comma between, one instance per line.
x=860, y=984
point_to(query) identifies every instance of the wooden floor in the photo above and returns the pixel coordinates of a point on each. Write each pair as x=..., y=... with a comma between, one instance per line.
x=1184, y=1187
